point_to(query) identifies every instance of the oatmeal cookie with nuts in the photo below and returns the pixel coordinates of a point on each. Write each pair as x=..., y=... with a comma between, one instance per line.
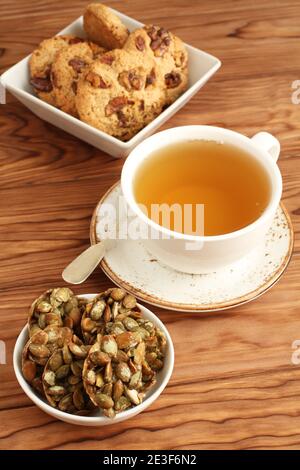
x=40, y=65
x=104, y=27
x=169, y=54
x=113, y=94
x=67, y=66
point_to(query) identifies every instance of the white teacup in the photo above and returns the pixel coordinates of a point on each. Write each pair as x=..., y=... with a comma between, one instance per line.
x=204, y=254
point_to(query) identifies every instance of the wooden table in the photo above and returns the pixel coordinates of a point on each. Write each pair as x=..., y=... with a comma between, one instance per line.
x=233, y=384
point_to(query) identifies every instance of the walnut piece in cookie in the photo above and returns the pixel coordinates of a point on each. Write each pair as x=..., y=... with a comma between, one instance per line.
x=160, y=40
x=68, y=64
x=176, y=79
x=104, y=27
x=169, y=55
x=40, y=65
x=112, y=94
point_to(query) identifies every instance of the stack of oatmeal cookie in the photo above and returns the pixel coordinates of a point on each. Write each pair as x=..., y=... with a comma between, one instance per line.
x=114, y=80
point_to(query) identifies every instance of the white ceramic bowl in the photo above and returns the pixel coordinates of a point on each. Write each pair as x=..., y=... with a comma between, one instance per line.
x=163, y=378
x=201, y=67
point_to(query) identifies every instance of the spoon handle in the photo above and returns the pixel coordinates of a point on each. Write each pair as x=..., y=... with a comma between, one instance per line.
x=82, y=266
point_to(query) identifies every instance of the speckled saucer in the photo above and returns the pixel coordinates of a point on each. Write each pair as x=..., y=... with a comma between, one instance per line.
x=129, y=265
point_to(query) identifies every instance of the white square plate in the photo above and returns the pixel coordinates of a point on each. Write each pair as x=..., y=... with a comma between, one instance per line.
x=201, y=67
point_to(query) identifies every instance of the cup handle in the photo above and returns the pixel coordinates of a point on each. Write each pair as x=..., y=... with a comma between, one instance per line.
x=267, y=142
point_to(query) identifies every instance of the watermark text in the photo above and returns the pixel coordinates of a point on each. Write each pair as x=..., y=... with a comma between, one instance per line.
x=296, y=93
x=2, y=352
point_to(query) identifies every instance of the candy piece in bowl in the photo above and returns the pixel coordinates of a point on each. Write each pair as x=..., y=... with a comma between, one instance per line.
x=62, y=379
x=106, y=312
x=58, y=306
x=38, y=350
x=123, y=363
x=106, y=377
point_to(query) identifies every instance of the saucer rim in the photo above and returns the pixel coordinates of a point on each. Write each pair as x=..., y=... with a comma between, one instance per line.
x=183, y=307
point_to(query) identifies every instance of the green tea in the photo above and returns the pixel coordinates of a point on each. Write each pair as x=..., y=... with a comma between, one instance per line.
x=232, y=185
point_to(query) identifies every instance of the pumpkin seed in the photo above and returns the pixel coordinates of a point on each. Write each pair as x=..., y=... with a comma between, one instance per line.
x=55, y=361
x=38, y=385
x=42, y=321
x=71, y=304
x=67, y=356
x=122, y=404
x=29, y=370
x=33, y=329
x=78, y=351
x=74, y=316
x=121, y=356
x=63, y=371
x=141, y=334
x=117, y=294
x=40, y=338
x=43, y=307
x=97, y=310
x=88, y=324
x=126, y=340
x=103, y=401
x=139, y=353
x=123, y=372
x=39, y=350
x=60, y=295
x=109, y=345
x=133, y=396
x=49, y=377
x=78, y=399
x=56, y=390
x=115, y=310
x=91, y=377
x=68, y=322
x=108, y=389
x=129, y=301
x=52, y=318
x=66, y=403
x=107, y=314
x=146, y=369
x=76, y=369
x=124, y=311
x=148, y=325
x=117, y=328
x=148, y=385
x=99, y=380
x=118, y=390
x=41, y=361
x=100, y=358
x=136, y=380
x=157, y=364
x=74, y=380
x=108, y=372
x=130, y=324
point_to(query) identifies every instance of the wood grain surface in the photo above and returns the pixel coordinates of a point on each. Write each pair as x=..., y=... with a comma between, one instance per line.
x=233, y=386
